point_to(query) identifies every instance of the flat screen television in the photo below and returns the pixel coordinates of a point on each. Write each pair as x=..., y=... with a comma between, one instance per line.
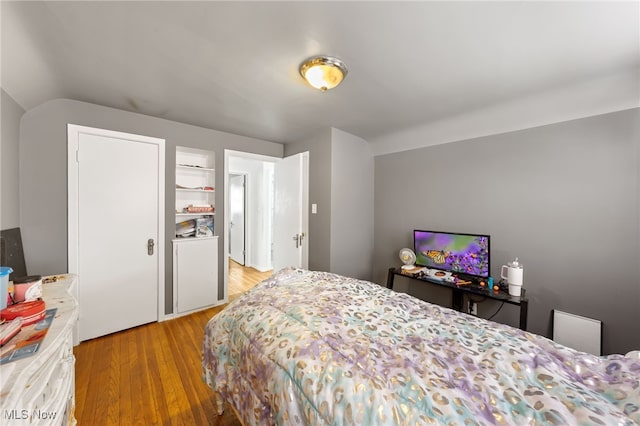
x=466, y=254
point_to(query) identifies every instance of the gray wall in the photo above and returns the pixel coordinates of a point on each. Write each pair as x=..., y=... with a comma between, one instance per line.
x=319, y=147
x=10, y=210
x=564, y=198
x=341, y=184
x=351, y=206
x=43, y=174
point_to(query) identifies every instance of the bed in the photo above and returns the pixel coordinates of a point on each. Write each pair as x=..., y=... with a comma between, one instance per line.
x=315, y=348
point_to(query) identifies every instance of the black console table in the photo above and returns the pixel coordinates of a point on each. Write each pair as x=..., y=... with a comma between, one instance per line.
x=458, y=292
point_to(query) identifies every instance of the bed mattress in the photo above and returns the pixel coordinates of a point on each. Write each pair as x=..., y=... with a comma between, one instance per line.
x=314, y=348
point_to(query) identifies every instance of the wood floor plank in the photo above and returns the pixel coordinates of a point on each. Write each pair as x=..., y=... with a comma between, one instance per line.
x=124, y=388
x=155, y=406
x=114, y=390
x=188, y=371
x=151, y=375
x=100, y=381
x=128, y=376
x=170, y=382
x=82, y=374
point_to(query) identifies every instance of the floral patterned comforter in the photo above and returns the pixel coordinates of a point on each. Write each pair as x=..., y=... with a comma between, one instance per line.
x=314, y=348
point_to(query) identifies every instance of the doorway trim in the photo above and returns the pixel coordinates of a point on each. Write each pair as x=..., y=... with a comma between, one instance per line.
x=73, y=132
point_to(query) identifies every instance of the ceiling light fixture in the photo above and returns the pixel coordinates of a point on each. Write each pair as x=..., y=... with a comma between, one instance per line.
x=323, y=72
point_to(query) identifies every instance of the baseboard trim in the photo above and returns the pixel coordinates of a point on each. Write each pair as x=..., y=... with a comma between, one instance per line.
x=261, y=268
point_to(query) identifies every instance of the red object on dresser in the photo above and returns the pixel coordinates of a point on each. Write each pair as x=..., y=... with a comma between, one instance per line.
x=31, y=312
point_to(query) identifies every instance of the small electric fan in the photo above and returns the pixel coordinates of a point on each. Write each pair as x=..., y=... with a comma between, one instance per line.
x=408, y=257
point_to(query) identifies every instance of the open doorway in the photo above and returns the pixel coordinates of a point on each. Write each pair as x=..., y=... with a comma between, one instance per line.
x=259, y=215
x=248, y=219
x=249, y=216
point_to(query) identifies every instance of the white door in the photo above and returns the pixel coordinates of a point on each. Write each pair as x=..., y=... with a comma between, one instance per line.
x=291, y=212
x=236, y=224
x=115, y=245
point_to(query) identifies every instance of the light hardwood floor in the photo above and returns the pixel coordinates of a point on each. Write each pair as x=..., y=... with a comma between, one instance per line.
x=242, y=279
x=151, y=375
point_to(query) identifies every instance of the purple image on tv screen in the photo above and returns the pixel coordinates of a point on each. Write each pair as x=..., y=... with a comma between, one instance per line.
x=462, y=253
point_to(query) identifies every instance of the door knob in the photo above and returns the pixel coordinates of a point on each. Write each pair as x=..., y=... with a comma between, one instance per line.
x=298, y=239
x=150, y=245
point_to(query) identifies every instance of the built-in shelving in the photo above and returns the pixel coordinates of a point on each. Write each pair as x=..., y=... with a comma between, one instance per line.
x=195, y=248
x=194, y=189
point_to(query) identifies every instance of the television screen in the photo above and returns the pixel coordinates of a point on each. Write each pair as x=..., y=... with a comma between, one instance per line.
x=459, y=253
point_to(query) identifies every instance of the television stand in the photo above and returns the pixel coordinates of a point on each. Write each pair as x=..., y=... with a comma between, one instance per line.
x=458, y=292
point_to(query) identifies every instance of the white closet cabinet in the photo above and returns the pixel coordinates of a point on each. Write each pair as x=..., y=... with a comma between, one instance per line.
x=195, y=274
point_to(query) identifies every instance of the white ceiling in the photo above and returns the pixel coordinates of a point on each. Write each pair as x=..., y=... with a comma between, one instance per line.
x=233, y=66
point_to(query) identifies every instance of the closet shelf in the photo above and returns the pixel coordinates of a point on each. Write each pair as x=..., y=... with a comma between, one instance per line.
x=196, y=214
x=194, y=190
x=188, y=167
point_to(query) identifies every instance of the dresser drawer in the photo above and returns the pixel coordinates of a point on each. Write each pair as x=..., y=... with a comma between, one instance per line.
x=55, y=407
x=46, y=390
x=39, y=389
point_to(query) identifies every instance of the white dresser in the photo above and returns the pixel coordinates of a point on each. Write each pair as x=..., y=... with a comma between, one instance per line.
x=40, y=389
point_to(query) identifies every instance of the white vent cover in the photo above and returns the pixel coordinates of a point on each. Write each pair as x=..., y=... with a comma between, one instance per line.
x=574, y=331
